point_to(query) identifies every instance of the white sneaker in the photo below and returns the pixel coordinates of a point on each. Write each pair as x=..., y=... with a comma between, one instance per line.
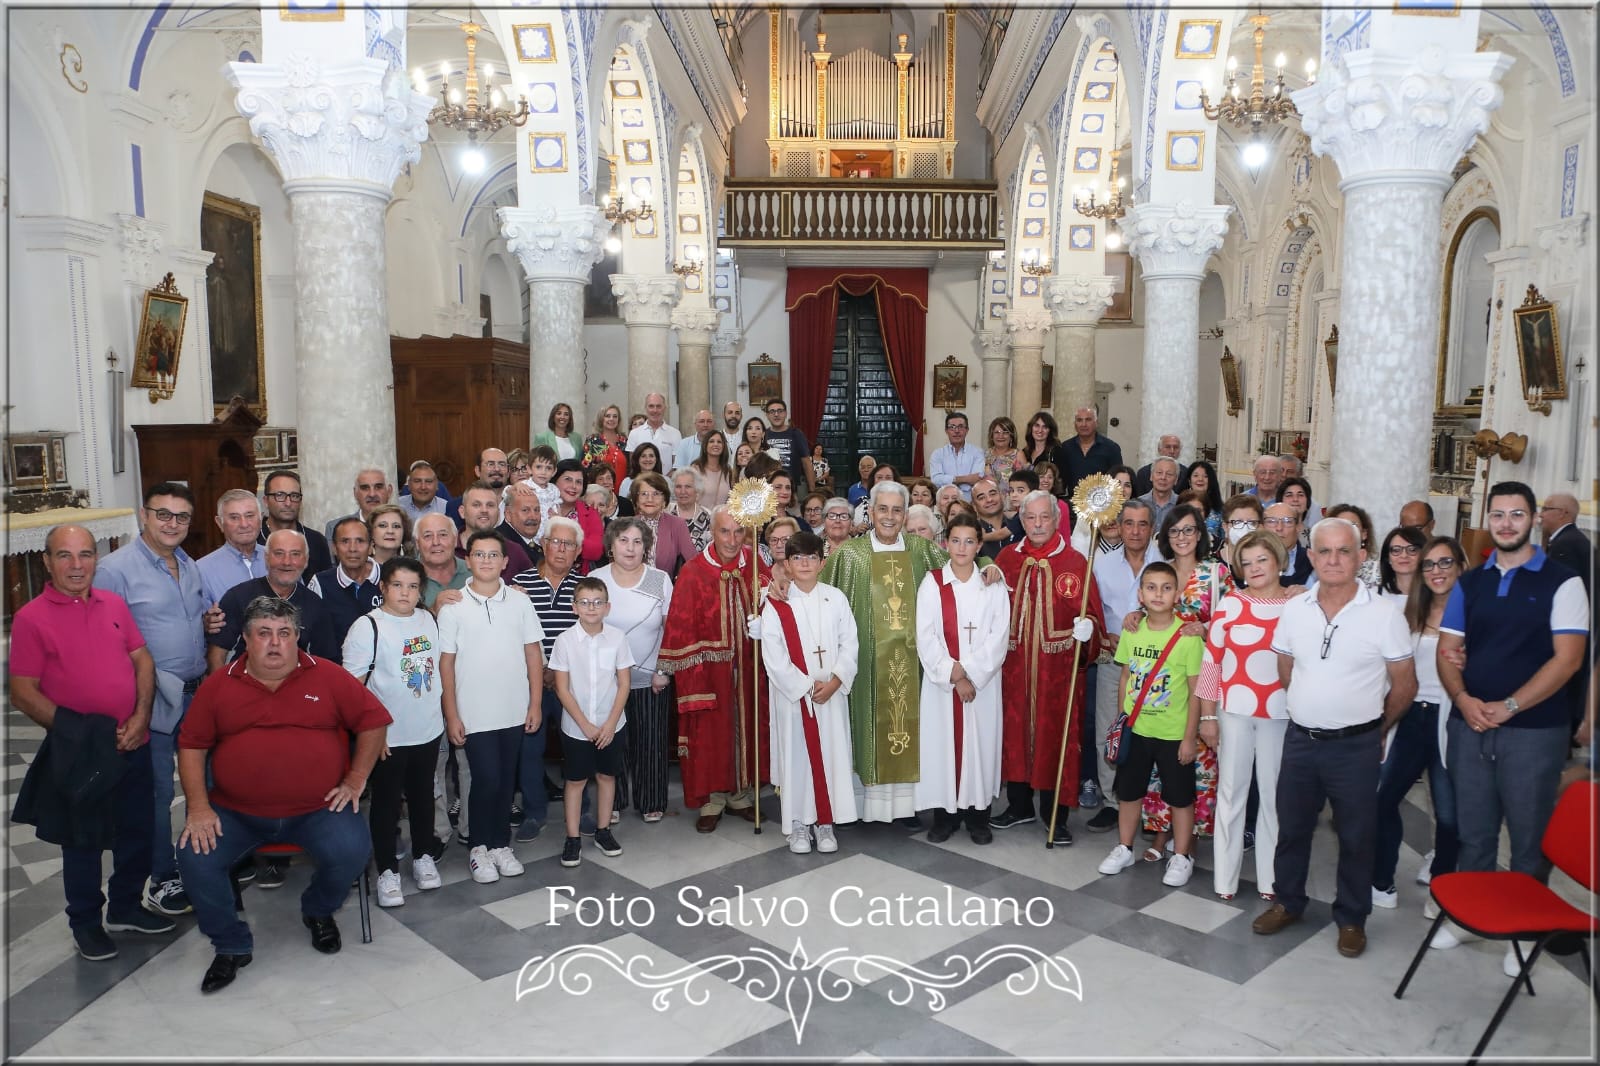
x=1120, y=859
x=483, y=870
x=1430, y=909
x=1451, y=934
x=1179, y=867
x=1425, y=875
x=389, y=894
x=1389, y=900
x=825, y=839
x=1509, y=965
x=800, y=839
x=505, y=862
x=426, y=873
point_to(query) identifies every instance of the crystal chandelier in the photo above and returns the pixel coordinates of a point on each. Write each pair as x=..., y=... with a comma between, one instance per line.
x=1260, y=108
x=477, y=107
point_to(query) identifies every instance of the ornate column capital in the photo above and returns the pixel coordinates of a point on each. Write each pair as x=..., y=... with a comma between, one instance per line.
x=695, y=325
x=1175, y=240
x=646, y=299
x=725, y=345
x=1078, y=299
x=350, y=122
x=555, y=244
x=1391, y=116
x=995, y=343
x=1026, y=329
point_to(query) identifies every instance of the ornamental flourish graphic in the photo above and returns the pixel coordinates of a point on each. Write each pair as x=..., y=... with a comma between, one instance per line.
x=766, y=974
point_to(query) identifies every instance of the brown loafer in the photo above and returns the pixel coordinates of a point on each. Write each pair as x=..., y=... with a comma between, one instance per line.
x=1274, y=919
x=747, y=813
x=1352, y=940
x=706, y=823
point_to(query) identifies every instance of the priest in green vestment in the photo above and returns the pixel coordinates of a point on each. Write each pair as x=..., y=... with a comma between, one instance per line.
x=879, y=573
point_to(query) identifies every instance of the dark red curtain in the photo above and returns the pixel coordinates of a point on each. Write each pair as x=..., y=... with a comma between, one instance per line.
x=813, y=304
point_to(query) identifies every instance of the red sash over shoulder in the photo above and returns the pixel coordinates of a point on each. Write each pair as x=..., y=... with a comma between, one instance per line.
x=952, y=643
x=808, y=717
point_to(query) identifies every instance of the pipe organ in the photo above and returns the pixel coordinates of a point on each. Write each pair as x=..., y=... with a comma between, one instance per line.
x=861, y=114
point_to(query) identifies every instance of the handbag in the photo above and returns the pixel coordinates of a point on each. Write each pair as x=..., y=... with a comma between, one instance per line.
x=1117, y=737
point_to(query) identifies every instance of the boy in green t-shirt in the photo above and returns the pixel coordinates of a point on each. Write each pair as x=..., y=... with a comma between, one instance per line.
x=1165, y=734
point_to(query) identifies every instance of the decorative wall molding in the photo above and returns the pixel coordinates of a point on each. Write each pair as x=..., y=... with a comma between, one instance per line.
x=141, y=246
x=1563, y=243
x=554, y=244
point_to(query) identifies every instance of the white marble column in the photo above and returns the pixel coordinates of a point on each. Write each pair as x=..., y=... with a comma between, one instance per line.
x=646, y=302
x=996, y=377
x=1076, y=302
x=1172, y=243
x=1026, y=330
x=724, y=370
x=339, y=133
x=557, y=248
x=695, y=327
x=1395, y=125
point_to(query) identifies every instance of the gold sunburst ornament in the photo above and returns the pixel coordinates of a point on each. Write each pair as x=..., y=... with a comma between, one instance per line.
x=1098, y=499
x=753, y=502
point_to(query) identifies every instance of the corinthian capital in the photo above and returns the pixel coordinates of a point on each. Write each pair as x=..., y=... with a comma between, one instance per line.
x=1377, y=112
x=1027, y=328
x=1175, y=240
x=554, y=244
x=352, y=121
x=1078, y=299
x=695, y=325
x=646, y=299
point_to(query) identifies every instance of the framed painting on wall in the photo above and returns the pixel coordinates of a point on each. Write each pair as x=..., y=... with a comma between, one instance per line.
x=1120, y=266
x=1231, y=388
x=950, y=384
x=766, y=380
x=155, y=354
x=1539, y=348
x=231, y=230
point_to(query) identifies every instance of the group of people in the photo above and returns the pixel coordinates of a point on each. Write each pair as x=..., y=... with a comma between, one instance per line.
x=925, y=646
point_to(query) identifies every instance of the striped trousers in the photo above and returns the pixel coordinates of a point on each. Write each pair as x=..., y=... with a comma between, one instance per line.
x=648, y=747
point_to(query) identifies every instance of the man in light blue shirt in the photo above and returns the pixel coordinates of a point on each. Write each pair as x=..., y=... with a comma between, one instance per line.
x=168, y=601
x=241, y=558
x=689, y=448
x=956, y=463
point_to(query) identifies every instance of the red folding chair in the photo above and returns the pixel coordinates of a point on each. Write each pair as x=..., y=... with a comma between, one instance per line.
x=282, y=851
x=1504, y=905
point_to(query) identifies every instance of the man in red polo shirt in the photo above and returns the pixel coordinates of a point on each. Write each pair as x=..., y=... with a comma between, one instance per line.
x=276, y=725
x=76, y=653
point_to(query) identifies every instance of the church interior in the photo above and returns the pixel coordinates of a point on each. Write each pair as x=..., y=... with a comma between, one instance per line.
x=320, y=235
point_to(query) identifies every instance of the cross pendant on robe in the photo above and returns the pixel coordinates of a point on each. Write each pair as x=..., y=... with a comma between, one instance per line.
x=969, y=627
x=817, y=651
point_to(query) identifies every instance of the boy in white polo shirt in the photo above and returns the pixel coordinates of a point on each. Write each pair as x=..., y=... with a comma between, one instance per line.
x=491, y=672
x=592, y=664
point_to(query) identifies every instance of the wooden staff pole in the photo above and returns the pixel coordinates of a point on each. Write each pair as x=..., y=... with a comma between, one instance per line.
x=1072, y=686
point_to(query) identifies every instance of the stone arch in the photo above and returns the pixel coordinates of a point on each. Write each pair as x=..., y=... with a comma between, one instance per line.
x=1030, y=240
x=1470, y=226
x=1093, y=120
x=642, y=123
x=57, y=172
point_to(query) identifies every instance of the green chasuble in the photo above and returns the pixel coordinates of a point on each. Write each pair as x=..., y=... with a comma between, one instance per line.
x=885, y=718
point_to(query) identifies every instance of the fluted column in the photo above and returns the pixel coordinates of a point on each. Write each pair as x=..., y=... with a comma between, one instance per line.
x=695, y=327
x=339, y=132
x=724, y=369
x=1076, y=302
x=557, y=248
x=1172, y=243
x=1026, y=330
x=646, y=302
x=1396, y=124
x=996, y=375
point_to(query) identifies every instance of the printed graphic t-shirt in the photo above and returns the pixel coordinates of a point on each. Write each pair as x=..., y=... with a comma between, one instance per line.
x=1166, y=705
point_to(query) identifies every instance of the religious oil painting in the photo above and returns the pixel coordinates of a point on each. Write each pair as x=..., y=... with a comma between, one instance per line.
x=28, y=465
x=950, y=384
x=1232, y=389
x=766, y=380
x=1539, y=347
x=231, y=230
x=155, y=357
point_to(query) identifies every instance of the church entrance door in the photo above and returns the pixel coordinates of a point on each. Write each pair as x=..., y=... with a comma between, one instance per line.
x=862, y=414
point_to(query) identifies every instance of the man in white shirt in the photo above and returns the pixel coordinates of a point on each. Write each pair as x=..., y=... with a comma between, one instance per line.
x=654, y=430
x=956, y=463
x=689, y=448
x=1345, y=659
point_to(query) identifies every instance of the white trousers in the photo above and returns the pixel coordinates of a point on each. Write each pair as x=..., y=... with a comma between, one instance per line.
x=1246, y=743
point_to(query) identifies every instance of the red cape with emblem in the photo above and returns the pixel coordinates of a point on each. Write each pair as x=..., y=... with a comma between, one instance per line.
x=1047, y=586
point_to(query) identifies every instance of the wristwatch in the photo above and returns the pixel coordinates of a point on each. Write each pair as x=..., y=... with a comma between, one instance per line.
x=1512, y=705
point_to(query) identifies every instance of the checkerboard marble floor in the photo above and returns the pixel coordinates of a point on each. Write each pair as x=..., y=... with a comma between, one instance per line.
x=805, y=955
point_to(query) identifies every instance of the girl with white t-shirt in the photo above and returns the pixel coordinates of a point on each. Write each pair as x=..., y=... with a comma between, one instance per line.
x=394, y=650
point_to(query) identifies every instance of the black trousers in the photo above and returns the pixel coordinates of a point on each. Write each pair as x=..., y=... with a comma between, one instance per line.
x=1019, y=797
x=975, y=817
x=649, y=745
x=130, y=852
x=1343, y=772
x=407, y=772
x=492, y=758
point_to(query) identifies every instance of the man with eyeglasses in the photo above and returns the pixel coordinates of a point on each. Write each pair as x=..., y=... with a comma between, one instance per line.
x=1284, y=520
x=955, y=463
x=240, y=558
x=282, y=496
x=1522, y=619
x=480, y=510
x=493, y=469
x=162, y=587
x=1345, y=660
x=371, y=489
x=1563, y=541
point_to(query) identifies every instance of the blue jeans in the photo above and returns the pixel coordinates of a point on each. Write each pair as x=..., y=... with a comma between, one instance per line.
x=1505, y=773
x=1415, y=748
x=337, y=841
x=163, y=761
x=492, y=756
x=130, y=852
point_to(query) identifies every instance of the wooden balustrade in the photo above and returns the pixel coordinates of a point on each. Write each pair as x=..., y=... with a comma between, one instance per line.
x=946, y=214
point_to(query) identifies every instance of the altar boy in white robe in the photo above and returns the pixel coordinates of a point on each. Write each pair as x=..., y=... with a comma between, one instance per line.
x=961, y=639
x=808, y=646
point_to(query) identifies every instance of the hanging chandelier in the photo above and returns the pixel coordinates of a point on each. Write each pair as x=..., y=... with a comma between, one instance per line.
x=619, y=208
x=1085, y=203
x=477, y=107
x=1261, y=107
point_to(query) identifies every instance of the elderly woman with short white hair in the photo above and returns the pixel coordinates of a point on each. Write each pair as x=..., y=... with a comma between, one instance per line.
x=836, y=519
x=688, y=485
x=923, y=521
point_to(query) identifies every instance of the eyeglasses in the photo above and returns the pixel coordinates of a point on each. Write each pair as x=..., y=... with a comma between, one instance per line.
x=843, y=516
x=164, y=516
x=551, y=543
x=1242, y=523
x=1183, y=531
x=285, y=497
x=488, y=555
x=589, y=603
x=1500, y=516
x=1398, y=550
x=1280, y=523
x=1327, y=638
x=1428, y=566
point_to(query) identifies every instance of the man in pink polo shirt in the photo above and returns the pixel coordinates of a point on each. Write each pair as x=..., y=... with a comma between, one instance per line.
x=76, y=654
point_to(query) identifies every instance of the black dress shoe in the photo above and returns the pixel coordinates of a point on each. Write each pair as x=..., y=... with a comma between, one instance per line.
x=1063, y=834
x=324, y=933
x=941, y=832
x=981, y=835
x=221, y=972
x=911, y=822
x=1010, y=817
